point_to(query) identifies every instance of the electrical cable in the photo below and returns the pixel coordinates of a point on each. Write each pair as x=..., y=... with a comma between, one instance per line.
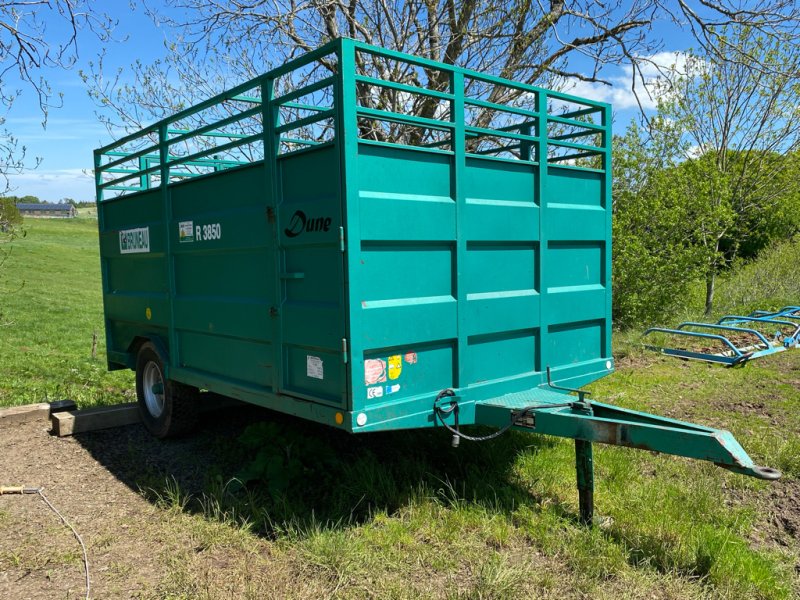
x=32, y=490
x=441, y=413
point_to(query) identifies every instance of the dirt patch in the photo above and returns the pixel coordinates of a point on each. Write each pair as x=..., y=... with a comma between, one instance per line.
x=142, y=547
x=94, y=480
x=636, y=360
x=777, y=525
x=783, y=499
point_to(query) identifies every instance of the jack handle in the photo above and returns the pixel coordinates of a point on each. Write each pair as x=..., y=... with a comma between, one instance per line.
x=581, y=393
x=17, y=489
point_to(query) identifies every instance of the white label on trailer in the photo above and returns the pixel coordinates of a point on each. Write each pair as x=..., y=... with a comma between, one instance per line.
x=134, y=240
x=211, y=231
x=186, y=231
x=314, y=367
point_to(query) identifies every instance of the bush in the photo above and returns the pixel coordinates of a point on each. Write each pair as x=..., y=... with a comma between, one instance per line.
x=769, y=282
x=9, y=215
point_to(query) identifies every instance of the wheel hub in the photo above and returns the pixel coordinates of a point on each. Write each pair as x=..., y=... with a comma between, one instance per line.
x=153, y=388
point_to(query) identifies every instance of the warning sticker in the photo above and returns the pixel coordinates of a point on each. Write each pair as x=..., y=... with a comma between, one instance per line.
x=186, y=231
x=134, y=240
x=374, y=371
x=314, y=367
x=395, y=366
x=375, y=392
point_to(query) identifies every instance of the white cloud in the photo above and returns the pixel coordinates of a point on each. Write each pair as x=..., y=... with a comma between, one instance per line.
x=620, y=94
x=54, y=184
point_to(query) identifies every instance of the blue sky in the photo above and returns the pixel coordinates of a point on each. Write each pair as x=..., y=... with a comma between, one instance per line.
x=73, y=130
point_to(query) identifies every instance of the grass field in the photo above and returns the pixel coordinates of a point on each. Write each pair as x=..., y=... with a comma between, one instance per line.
x=51, y=307
x=403, y=515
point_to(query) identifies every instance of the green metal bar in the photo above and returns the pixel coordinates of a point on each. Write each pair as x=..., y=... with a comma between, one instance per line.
x=221, y=148
x=166, y=200
x=130, y=156
x=424, y=62
x=402, y=87
x=569, y=136
x=584, y=469
x=208, y=134
x=269, y=119
x=607, y=424
x=574, y=146
x=501, y=107
x=301, y=106
x=310, y=120
x=525, y=146
x=574, y=156
x=540, y=145
x=305, y=91
x=386, y=115
x=120, y=171
x=501, y=133
x=241, y=98
x=131, y=176
x=458, y=190
x=212, y=126
x=606, y=200
x=300, y=141
x=348, y=146
x=125, y=188
x=424, y=148
x=580, y=113
x=229, y=94
x=498, y=149
x=129, y=138
x=144, y=178
x=574, y=123
x=577, y=168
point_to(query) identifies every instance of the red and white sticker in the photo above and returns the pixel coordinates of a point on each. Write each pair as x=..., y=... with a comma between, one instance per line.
x=374, y=371
x=411, y=358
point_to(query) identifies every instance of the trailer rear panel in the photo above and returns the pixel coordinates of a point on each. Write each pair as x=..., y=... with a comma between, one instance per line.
x=306, y=248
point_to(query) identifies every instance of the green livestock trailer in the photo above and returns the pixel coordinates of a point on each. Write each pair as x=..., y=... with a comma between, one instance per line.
x=376, y=241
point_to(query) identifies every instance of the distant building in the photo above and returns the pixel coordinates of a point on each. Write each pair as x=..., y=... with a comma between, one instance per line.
x=64, y=211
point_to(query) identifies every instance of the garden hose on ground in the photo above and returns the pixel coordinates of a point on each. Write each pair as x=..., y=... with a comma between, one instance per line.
x=21, y=489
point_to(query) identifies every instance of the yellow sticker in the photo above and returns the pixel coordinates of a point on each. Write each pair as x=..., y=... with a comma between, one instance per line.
x=395, y=366
x=148, y=313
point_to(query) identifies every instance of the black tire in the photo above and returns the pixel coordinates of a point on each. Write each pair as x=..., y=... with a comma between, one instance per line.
x=172, y=412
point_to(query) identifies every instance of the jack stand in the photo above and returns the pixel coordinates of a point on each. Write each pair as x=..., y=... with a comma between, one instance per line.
x=584, y=468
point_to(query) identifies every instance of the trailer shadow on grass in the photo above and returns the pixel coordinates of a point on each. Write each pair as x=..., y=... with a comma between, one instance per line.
x=309, y=481
x=276, y=472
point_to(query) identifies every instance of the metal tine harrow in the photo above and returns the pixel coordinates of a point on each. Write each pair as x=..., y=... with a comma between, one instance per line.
x=734, y=339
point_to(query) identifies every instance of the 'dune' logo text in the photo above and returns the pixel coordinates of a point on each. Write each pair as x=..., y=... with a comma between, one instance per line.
x=300, y=223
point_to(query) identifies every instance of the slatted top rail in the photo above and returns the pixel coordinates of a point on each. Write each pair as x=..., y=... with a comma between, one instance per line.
x=400, y=100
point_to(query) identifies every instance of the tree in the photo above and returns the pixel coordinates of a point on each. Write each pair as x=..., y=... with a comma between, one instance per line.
x=741, y=125
x=653, y=263
x=223, y=41
x=35, y=36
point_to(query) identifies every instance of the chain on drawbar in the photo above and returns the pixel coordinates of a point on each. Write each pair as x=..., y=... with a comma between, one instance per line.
x=442, y=413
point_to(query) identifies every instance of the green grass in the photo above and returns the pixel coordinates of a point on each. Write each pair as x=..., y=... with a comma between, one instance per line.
x=51, y=307
x=403, y=515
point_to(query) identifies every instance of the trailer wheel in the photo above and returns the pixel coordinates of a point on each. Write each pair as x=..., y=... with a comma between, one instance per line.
x=167, y=408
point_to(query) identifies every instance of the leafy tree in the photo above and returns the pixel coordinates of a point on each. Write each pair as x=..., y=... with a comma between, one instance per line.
x=653, y=265
x=741, y=126
x=35, y=36
x=711, y=182
x=223, y=41
x=9, y=215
